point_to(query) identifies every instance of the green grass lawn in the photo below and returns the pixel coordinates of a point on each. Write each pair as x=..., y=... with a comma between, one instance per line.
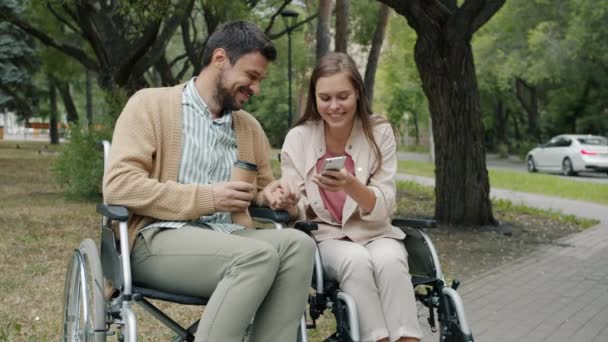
x=536, y=183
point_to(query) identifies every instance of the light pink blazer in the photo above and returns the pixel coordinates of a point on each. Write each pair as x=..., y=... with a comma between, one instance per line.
x=305, y=144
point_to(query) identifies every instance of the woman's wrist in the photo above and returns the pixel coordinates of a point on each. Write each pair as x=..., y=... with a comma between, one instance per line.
x=362, y=194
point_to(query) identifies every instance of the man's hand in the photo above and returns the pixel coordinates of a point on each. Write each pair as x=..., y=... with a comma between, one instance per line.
x=280, y=195
x=232, y=196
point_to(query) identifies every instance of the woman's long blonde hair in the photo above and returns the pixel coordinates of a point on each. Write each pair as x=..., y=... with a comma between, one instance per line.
x=329, y=65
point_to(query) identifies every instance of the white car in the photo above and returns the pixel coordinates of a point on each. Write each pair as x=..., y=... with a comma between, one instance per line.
x=570, y=154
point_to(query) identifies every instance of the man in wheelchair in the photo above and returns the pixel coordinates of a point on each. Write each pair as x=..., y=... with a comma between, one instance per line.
x=170, y=164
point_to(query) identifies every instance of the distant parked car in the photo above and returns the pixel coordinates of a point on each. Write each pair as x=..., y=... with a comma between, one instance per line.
x=570, y=154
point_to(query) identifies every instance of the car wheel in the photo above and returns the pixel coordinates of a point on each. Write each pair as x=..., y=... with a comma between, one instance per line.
x=567, y=169
x=531, y=164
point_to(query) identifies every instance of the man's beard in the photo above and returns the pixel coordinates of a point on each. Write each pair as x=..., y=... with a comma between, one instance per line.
x=223, y=96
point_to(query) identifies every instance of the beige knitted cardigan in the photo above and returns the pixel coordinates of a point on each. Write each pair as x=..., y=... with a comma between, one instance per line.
x=145, y=157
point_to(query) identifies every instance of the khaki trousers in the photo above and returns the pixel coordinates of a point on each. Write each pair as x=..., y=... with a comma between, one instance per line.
x=377, y=276
x=261, y=273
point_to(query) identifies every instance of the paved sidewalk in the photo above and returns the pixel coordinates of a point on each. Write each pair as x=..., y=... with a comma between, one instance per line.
x=558, y=293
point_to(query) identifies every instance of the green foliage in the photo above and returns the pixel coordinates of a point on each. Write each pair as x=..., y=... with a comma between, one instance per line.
x=270, y=107
x=115, y=100
x=502, y=150
x=79, y=167
x=364, y=15
x=560, y=51
x=398, y=91
x=524, y=147
x=415, y=148
x=18, y=63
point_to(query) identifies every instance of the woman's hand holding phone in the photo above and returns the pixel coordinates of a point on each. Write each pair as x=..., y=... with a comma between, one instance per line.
x=334, y=176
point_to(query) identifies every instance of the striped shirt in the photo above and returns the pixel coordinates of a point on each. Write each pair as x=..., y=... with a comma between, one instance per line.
x=208, y=153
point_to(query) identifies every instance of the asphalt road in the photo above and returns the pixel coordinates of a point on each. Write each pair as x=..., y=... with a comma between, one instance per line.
x=513, y=164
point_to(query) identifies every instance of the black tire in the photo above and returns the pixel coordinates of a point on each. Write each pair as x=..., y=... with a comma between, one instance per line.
x=531, y=164
x=567, y=169
x=84, y=316
x=454, y=327
x=341, y=313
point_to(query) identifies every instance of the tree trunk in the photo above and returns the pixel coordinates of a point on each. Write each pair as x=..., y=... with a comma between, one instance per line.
x=431, y=143
x=54, y=134
x=164, y=70
x=374, y=52
x=579, y=107
x=323, y=37
x=341, y=26
x=448, y=77
x=416, y=128
x=89, y=99
x=501, y=116
x=526, y=94
x=444, y=59
x=516, y=130
x=68, y=102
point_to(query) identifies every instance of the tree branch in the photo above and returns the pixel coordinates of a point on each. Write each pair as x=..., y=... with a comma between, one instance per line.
x=21, y=103
x=446, y=9
x=490, y=7
x=275, y=15
x=157, y=49
x=520, y=85
x=281, y=33
x=87, y=17
x=421, y=15
x=68, y=102
x=67, y=49
x=164, y=70
x=182, y=72
x=189, y=44
x=61, y=19
x=177, y=59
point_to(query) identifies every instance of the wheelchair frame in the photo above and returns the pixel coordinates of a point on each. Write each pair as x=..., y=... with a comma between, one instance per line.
x=427, y=278
x=89, y=316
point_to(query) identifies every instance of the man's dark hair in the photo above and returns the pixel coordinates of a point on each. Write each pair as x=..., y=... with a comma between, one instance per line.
x=239, y=38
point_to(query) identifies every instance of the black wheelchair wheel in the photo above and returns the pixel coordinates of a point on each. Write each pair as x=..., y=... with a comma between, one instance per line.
x=343, y=328
x=454, y=327
x=84, y=316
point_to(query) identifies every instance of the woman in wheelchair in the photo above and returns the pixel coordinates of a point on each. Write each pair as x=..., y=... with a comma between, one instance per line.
x=352, y=204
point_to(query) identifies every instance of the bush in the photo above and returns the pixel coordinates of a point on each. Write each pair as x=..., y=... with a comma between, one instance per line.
x=525, y=147
x=79, y=167
x=503, y=151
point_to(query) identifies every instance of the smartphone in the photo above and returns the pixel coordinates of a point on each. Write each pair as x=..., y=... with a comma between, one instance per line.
x=334, y=163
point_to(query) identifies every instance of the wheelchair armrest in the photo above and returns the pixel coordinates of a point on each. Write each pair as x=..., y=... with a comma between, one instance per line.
x=306, y=226
x=113, y=212
x=278, y=216
x=414, y=223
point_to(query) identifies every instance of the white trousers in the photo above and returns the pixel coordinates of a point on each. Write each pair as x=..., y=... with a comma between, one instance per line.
x=377, y=276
